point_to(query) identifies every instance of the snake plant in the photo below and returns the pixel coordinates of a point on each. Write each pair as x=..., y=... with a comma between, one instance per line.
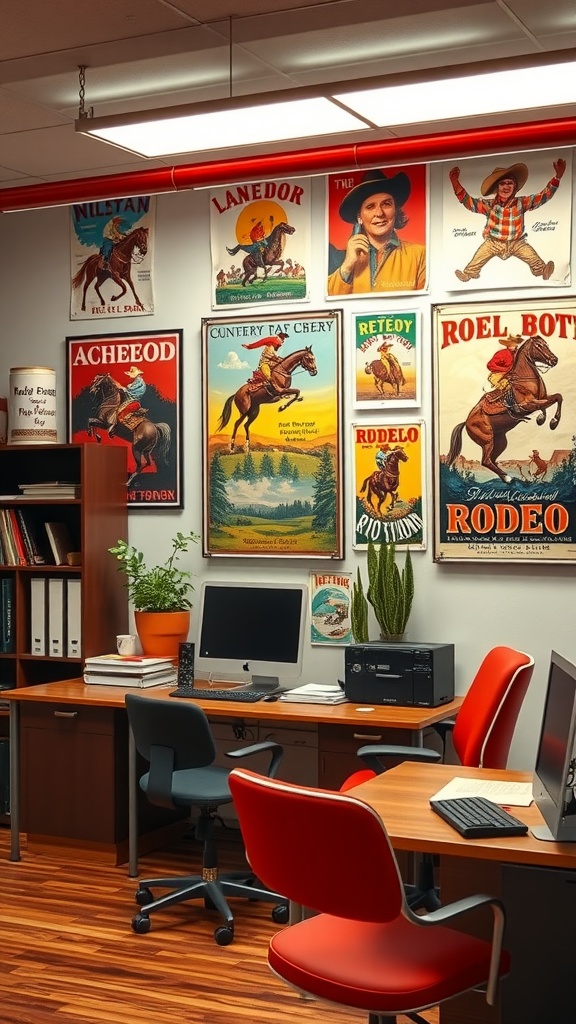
x=390, y=592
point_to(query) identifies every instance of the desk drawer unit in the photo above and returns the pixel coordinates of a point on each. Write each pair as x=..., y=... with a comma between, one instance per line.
x=74, y=778
x=338, y=746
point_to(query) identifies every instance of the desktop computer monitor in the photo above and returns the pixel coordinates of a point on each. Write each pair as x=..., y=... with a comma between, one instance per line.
x=554, y=755
x=253, y=632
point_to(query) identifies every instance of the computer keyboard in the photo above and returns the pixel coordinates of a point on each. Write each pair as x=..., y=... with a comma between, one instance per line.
x=240, y=696
x=475, y=817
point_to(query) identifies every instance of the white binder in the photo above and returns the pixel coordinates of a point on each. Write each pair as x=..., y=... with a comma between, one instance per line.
x=74, y=619
x=55, y=618
x=38, y=615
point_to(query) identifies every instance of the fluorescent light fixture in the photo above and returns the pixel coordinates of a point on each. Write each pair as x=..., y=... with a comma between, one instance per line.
x=439, y=94
x=195, y=128
x=468, y=95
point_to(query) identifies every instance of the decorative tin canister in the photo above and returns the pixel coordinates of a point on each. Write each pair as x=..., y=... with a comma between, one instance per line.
x=32, y=410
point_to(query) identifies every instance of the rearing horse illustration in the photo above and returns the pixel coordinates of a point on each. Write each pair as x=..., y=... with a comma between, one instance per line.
x=385, y=481
x=392, y=376
x=130, y=249
x=248, y=400
x=271, y=254
x=497, y=412
x=146, y=435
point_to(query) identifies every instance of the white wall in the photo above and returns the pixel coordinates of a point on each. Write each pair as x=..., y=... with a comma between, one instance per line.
x=474, y=606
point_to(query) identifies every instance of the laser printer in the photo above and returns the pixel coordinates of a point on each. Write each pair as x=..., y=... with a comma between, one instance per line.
x=409, y=675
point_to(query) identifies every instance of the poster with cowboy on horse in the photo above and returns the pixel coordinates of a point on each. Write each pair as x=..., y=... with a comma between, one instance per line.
x=388, y=357
x=260, y=242
x=272, y=404
x=111, y=248
x=505, y=431
x=507, y=222
x=389, y=484
x=125, y=389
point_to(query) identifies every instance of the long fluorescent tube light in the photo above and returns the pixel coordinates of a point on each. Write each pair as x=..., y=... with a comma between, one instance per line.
x=464, y=96
x=440, y=94
x=194, y=128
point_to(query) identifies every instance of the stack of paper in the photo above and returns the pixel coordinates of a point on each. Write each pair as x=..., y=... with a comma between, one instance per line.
x=315, y=693
x=121, y=670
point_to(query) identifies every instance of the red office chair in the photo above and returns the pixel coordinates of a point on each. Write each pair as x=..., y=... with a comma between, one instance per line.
x=366, y=949
x=482, y=734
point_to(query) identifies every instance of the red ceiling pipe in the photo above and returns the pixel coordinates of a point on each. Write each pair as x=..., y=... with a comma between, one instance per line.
x=328, y=159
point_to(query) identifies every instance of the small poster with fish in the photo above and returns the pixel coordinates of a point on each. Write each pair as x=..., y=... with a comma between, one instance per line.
x=330, y=601
x=272, y=455
x=260, y=242
x=112, y=245
x=505, y=431
x=388, y=357
x=389, y=484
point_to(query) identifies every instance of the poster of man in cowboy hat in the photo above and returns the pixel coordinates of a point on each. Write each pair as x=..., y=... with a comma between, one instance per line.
x=377, y=231
x=515, y=242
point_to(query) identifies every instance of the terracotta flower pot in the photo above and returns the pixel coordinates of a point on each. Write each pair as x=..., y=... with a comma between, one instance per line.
x=160, y=633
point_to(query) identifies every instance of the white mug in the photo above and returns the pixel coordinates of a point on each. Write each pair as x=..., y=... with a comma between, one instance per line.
x=126, y=643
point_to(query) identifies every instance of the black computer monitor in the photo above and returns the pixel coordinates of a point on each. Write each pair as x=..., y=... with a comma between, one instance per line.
x=555, y=752
x=252, y=632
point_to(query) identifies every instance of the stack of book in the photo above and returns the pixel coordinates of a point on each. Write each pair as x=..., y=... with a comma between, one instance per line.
x=50, y=489
x=315, y=693
x=133, y=670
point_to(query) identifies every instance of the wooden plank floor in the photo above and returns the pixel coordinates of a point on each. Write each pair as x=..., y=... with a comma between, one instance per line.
x=69, y=956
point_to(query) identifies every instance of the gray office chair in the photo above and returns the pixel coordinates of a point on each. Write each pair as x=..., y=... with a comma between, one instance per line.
x=176, y=739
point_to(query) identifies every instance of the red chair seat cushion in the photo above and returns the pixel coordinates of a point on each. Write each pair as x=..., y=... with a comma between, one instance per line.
x=379, y=968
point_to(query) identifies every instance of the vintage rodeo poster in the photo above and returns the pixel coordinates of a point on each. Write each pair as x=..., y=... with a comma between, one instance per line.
x=505, y=431
x=389, y=484
x=272, y=435
x=388, y=359
x=125, y=389
x=260, y=242
x=112, y=245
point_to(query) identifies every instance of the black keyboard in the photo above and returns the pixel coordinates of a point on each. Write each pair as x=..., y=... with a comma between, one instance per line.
x=475, y=817
x=240, y=696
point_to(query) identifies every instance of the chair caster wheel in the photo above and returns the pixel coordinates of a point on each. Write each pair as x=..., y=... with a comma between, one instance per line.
x=224, y=935
x=141, y=924
x=280, y=913
x=143, y=897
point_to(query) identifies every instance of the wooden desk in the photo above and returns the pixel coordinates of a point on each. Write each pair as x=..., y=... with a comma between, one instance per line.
x=518, y=869
x=341, y=730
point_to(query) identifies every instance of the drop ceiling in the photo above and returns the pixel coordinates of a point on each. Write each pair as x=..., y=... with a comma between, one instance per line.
x=140, y=54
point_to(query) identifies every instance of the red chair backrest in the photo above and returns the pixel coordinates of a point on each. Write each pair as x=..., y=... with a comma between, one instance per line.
x=487, y=718
x=304, y=842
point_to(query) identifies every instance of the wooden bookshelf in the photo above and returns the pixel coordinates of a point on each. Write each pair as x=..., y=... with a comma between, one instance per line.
x=95, y=520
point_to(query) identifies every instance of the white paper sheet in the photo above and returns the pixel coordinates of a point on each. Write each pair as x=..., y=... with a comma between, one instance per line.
x=508, y=794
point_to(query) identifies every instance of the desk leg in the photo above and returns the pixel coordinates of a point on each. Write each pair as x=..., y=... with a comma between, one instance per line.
x=14, y=780
x=132, y=808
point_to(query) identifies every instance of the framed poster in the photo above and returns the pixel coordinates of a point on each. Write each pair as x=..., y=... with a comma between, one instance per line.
x=388, y=356
x=125, y=389
x=504, y=448
x=389, y=484
x=377, y=223
x=330, y=608
x=272, y=451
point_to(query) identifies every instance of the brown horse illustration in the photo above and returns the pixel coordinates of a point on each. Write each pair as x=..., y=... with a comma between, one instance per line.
x=394, y=376
x=146, y=436
x=497, y=412
x=271, y=256
x=248, y=401
x=130, y=249
x=385, y=481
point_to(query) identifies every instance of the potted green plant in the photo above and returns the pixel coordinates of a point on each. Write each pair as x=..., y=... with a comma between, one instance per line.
x=160, y=595
x=390, y=592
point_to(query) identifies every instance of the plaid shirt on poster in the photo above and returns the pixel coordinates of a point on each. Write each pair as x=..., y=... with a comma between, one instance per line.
x=506, y=222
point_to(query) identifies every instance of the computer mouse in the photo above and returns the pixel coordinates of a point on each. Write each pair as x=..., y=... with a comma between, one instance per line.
x=271, y=696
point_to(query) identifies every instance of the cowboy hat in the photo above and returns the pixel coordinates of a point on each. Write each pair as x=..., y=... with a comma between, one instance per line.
x=398, y=186
x=133, y=372
x=517, y=171
x=511, y=341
